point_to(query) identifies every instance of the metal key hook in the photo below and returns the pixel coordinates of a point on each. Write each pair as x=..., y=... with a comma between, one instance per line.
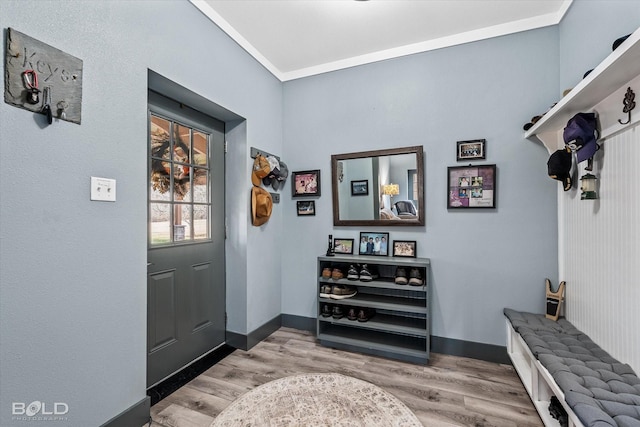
x=629, y=105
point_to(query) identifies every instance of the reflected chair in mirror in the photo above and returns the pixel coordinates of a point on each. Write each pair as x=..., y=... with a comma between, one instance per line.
x=406, y=209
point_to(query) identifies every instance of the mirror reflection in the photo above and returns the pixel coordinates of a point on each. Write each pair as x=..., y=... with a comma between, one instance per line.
x=382, y=187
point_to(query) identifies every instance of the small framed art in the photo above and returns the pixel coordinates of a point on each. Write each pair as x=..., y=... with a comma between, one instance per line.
x=306, y=207
x=471, y=187
x=360, y=188
x=405, y=248
x=343, y=246
x=374, y=244
x=305, y=183
x=474, y=149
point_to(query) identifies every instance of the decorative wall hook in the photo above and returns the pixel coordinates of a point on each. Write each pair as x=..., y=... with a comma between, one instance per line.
x=629, y=105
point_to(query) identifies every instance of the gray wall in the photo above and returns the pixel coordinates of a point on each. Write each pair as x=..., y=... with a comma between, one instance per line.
x=73, y=272
x=482, y=261
x=587, y=33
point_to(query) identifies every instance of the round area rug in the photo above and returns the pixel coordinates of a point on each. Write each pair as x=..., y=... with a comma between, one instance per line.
x=317, y=400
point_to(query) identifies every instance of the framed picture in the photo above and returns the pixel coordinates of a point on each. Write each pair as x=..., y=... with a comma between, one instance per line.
x=343, y=246
x=305, y=183
x=471, y=150
x=374, y=244
x=471, y=187
x=405, y=248
x=360, y=188
x=306, y=207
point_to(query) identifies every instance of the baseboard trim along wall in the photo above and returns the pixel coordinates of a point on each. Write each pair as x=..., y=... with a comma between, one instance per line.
x=137, y=415
x=246, y=342
x=450, y=346
x=474, y=350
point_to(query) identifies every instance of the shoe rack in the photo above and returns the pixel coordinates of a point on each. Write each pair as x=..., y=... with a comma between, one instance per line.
x=388, y=319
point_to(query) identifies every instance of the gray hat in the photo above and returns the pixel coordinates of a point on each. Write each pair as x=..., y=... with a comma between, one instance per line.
x=281, y=175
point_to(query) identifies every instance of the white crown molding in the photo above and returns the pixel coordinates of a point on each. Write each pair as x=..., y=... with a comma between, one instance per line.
x=236, y=36
x=457, y=39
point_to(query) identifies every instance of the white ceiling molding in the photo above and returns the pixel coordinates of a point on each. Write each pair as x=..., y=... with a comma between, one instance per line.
x=410, y=49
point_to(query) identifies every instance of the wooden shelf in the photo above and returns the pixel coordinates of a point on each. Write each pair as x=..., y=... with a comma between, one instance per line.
x=399, y=328
x=383, y=322
x=611, y=75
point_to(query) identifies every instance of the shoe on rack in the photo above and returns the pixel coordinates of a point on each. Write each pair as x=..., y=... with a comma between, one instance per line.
x=365, y=314
x=415, y=277
x=401, y=276
x=352, y=314
x=337, y=312
x=353, y=274
x=337, y=274
x=326, y=310
x=326, y=273
x=343, y=291
x=325, y=291
x=367, y=274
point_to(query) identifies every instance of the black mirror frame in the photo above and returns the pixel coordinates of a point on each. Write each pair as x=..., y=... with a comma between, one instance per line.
x=335, y=158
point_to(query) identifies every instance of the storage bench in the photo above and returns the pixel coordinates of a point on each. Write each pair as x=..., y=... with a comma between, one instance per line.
x=553, y=358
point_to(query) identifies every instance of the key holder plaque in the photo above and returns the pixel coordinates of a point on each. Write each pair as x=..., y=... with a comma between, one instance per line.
x=57, y=71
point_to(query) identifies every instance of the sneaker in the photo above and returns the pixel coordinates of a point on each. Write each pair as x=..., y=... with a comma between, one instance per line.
x=365, y=314
x=336, y=274
x=353, y=274
x=326, y=310
x=342, y=292
x=401, y=276
x=326, y=273
x=337, y=312
x=353, y=313
x=325, y=291
x=366, y=274
x=415, y=277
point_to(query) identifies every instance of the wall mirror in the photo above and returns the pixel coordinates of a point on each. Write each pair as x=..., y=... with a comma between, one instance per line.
x=379, y=188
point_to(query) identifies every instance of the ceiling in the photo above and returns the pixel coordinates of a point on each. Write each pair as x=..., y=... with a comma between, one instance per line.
x=299, y=38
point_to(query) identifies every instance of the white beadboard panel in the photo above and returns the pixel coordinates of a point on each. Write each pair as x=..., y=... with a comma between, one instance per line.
x=600, y=241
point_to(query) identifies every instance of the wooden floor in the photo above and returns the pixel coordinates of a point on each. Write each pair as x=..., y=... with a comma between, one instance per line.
x=449, y=391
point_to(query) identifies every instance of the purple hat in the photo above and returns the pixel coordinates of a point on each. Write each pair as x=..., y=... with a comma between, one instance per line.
x=580, y=134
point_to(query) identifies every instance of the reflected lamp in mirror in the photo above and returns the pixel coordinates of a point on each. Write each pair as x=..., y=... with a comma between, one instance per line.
x=395, y=172
x=391, y=190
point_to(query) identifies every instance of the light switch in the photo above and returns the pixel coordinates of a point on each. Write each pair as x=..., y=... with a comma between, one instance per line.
x=103, y=189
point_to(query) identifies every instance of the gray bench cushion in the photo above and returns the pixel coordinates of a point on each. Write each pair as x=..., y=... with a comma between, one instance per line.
x=600, y=390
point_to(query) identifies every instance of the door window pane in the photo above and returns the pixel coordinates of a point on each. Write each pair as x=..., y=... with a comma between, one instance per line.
x=160, y=217
x=175, y=151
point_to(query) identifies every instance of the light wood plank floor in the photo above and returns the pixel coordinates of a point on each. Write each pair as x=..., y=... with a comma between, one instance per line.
x=449, y=391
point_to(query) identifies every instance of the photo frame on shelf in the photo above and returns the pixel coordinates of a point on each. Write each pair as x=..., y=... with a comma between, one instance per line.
x=405, y=248
x=360, y=187
x=305, y=183
x=474, y=149
x=306, y=207
x=372, y=243
x=343, y=246
x=471, y=187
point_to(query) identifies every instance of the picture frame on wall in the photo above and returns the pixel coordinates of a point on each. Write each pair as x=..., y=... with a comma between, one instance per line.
x=474, y=149
x=405, y=248
x=372, y=243
x=343, y=246
x=306, y=207
x=360, y=187
x=305, y=183
x=471, y=187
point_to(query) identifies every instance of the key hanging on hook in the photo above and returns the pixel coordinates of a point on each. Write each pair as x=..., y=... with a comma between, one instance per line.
x=62, y=107
x=46, y=100
x=30, y=79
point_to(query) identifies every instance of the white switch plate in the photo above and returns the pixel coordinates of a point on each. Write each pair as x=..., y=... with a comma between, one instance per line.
x=103, y=189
